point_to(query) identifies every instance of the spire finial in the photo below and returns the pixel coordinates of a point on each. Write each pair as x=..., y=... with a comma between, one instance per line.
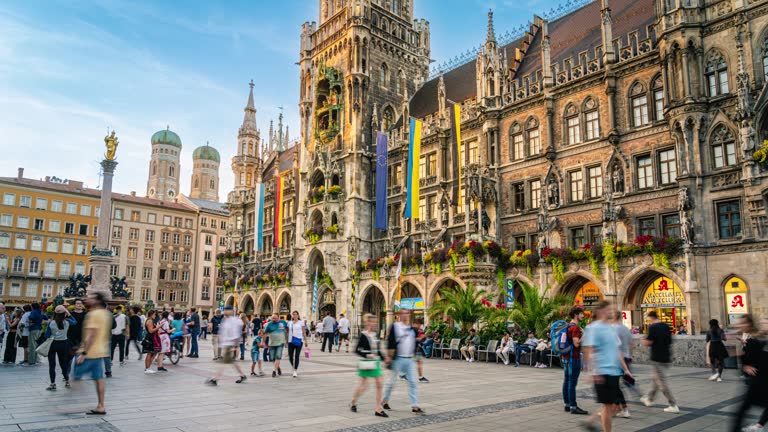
x=491, y=34
x=251, y=84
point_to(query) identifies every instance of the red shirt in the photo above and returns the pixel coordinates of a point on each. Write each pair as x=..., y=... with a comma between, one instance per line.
x=574, y=331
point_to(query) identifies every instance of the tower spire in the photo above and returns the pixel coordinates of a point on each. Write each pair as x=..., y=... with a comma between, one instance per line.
x=280, y=131
x=249, y=118
x=491, y=37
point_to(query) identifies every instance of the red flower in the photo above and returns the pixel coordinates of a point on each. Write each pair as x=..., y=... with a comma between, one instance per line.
x=586, y=246
x=545, y=253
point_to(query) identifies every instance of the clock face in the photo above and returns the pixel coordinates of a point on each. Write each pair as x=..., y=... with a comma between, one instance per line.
x=171, y=193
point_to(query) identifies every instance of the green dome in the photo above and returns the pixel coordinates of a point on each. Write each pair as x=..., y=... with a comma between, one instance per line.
x=167, y=137
x=206, y=152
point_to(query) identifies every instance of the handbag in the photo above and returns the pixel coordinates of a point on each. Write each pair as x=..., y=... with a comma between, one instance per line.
x=296, y=341
x=44, y=347
x=307, y=352
x=366, y=365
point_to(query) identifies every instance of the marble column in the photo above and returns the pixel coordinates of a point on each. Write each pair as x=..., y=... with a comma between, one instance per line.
x=101, y=255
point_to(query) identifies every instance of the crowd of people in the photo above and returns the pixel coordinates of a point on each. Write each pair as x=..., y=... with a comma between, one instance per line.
x=81, y=342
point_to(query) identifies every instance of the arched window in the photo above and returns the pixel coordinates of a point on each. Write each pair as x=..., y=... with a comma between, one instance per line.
x=573, y=124
x=197, y=182
x=154, y=168
x=80, y=268
x=250, y=147
x=400, y=85
x=375, y=20
x=516, y=143
x=213, y=184
x=765, y=58
x=34, y=266
x=65, y=268
x=18, y=265
x=389, y=117
x=638, y=100
x=171, y=171
x=716, y=74
x=534, y=137
x=591, y=119
x=395, y=6
x=3, y=263
x=723, y=147
x=384, y=74
x=50, y=268
x=657, y=89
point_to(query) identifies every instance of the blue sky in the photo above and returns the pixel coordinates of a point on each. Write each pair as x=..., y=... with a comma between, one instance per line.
x=70, y=70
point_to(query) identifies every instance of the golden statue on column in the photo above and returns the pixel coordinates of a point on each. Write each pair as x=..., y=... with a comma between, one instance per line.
x=111, y=143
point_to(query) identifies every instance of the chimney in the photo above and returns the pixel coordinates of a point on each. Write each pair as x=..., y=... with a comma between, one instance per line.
x=133, y=193
x=21, y=173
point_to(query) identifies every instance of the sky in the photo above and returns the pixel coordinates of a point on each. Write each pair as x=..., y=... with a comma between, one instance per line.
x=71, y=71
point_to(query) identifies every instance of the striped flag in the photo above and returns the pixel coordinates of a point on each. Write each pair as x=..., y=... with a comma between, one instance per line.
x=414, y=156
x=456, y=153
x=259, y=231
x=397, y=278
x=277, y=241
x=314, y=294
x=354, y=290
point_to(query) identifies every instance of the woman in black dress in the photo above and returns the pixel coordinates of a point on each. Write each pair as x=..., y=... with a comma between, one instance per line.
x=755, y=367
x=716, y=352
x=10, y=342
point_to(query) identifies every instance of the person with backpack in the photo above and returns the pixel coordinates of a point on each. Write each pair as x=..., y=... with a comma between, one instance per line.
x=567, y=343
x=660, y=340
x=401, y=347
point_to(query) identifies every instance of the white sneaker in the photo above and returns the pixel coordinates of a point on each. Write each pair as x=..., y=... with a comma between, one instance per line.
x=471, y=360
x=149, y=371
x=624, y=413
x=295, y=374
x=752, y=428
x=506, y=362
x=719, y=379
x=714, y=377
x=646, y=401
x=672, y=409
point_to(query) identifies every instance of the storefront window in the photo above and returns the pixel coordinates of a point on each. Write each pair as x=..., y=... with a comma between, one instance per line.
x=667, y=299
x=588, y=295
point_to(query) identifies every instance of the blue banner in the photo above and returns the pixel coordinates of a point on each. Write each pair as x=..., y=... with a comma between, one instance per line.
x=259, y=231
x=314, y=294
x=381, y=181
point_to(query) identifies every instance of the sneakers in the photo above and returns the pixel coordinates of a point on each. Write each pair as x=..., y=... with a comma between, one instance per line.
x=380, y=414
x=714, y=377
x=241, y=379
x=752, y=428
x=261, y=374
x=253, y=373
x=567, y=409
x=719, y=379
x=423, y=380
x=109, y=374
x=162, y=369
x=211, y=382
x=274, y=374
x=471, y=360
x=279, y=371
x=624, y=413
x=672, y=409
x=579, y=411
x=295, y=374
x=149, y=371
x=646, y=401
x=506, y=362
x=418, y=411
x=122, y=363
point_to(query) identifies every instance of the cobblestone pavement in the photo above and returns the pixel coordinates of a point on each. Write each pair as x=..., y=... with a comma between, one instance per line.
x=460, y=397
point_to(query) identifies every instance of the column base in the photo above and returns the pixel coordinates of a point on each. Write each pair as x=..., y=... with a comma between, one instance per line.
x=100, y=261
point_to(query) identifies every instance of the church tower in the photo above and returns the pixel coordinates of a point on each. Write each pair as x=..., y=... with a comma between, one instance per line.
x=205, y=174
x=245, y=164
x=382, y=56
x=164, y=166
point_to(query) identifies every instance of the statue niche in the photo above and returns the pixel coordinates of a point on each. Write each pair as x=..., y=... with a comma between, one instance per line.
x=328, y=103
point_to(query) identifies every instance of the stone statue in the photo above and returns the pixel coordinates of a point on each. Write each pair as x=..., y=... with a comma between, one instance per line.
x=617, y=178
x=747, y=136
x=686, y=228
x=541, y=245
x=441, y=96
x=553, y=192
x=111, y=143
x=541, y=223
x=606, y=232
x=683, y=200
x=444, y=213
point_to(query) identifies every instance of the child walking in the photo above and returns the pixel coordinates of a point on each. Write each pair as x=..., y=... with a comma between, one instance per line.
x=258, y=343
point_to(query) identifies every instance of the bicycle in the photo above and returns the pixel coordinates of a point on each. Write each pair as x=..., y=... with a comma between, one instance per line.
x=177, y=347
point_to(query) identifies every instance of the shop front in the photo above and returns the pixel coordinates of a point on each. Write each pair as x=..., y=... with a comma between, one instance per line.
x=588, y=295
x=665, y=298
x=736, y=299
x=415, y=305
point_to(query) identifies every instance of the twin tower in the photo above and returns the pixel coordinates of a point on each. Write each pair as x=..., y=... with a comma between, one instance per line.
x=165, y=169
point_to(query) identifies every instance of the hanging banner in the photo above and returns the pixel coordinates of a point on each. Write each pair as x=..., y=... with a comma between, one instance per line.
x=414, y=157
x=277, y=241
x=259, y=231
x=455, y=153
x=381, y=181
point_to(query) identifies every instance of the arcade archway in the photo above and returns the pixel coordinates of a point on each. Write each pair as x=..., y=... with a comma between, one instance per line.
x=653, y=291
x=266, y=308
x=246, y=305
x=284, y=307
x=375, y=304
x=326, y=302
x=585, y=292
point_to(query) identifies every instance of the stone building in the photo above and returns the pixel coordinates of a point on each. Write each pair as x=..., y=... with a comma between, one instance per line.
x=164, y=166
x=627, y=126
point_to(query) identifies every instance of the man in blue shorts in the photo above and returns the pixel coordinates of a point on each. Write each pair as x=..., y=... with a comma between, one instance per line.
x=97, y=330
x=277, y=330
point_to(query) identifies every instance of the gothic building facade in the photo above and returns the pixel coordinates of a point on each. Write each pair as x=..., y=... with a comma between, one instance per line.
x=628, y=125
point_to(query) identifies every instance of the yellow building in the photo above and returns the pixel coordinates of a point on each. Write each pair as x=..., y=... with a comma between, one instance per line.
x=47, y=229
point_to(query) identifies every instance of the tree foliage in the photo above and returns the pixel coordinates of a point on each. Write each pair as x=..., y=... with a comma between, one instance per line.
x=537, y=311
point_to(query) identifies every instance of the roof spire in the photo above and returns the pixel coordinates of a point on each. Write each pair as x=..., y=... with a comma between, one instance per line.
x=249, y=119
x=491, y=37
x=280, y=130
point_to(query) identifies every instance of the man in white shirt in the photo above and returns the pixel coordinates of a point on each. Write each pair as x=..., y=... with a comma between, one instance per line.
x=329, y=322
x=230, y=334
x=118, y=339
x=401, y=347
x=343, y=332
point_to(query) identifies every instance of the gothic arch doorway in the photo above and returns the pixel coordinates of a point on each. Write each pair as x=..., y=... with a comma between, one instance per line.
x=246, y=305
x=585, y=293
x=326, y=303
x=654, y=291
x=284, y=307
x=266, y=309
x=375, y=304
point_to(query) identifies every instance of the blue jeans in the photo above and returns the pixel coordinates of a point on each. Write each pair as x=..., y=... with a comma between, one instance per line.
x=520, y=349
x=403, y=366
x=572, y=369
x=193, y=350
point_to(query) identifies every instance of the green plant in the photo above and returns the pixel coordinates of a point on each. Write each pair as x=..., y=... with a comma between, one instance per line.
x=500, y=275
x=462, y=305
x=761, y=155
x=334, y=190
x=453, y=260
x=536, y=311
x=333, y=229
x=609, y=254
x=314, y=238
x=471, y=260
x=558, y=269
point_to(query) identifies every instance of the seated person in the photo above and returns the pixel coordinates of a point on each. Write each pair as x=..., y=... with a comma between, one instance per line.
x=543, y=349
x=429, y=342
x=527, y=347
x=470, y=345
x=506, y=345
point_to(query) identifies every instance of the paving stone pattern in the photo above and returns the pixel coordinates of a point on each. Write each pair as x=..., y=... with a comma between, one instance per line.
x=461, y=396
